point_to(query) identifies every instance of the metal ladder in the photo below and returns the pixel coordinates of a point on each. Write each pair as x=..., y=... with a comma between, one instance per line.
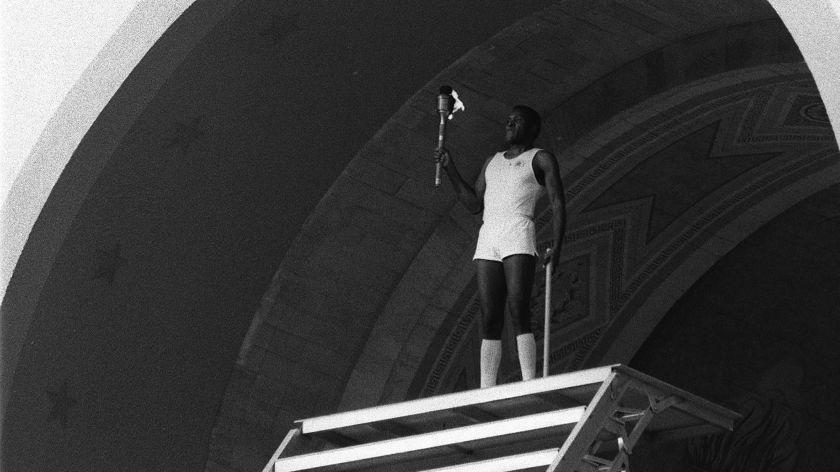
x=586, y=421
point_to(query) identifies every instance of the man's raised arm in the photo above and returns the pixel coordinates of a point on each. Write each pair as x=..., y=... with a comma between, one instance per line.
x=472, y=198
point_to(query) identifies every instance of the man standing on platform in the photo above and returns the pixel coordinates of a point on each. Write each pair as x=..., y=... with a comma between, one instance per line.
x=506, y=190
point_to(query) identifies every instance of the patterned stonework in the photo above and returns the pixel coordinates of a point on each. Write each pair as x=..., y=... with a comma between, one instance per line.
x=645, y=201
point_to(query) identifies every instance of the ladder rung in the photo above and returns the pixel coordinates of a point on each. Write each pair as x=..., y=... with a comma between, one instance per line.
x=505, y=464
x=454, y=400
x=448, y=437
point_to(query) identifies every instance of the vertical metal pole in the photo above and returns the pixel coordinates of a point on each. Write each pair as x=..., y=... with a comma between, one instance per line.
x=547, y=323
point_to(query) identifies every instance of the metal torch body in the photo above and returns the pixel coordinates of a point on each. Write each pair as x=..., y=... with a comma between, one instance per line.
x=441, y=138
x=444, y=108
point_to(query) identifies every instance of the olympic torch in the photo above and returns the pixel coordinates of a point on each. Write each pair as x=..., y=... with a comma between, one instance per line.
x=447, y=104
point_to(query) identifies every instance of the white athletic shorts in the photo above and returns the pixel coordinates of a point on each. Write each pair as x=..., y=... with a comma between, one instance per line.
x=499, y=239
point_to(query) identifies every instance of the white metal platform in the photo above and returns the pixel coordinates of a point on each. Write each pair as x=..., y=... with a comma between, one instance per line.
x=581, y=421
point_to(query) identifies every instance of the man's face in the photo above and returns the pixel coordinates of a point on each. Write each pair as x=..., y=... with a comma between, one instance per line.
x=516, y=128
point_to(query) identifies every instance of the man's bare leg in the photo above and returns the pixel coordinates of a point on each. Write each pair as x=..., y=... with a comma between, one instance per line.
x=519, y=277
x=491, y=357
x=527, y=348
x=491, y=294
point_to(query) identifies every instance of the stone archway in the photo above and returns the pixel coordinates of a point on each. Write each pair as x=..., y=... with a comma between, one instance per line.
x=432, y=234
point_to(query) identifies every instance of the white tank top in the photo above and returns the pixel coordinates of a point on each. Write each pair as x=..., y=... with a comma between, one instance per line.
x=512, y=188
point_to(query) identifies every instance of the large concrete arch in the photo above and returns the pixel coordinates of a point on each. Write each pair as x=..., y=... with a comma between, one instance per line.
x=812, y=26
x=426, y=234
x=132, y=43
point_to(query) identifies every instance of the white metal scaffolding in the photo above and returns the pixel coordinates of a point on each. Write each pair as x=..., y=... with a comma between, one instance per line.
x=584, y=421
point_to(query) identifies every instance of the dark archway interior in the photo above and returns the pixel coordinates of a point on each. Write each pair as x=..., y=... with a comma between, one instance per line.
x=765, y=344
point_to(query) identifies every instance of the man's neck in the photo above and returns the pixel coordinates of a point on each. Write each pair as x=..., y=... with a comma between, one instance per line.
x=517, y=149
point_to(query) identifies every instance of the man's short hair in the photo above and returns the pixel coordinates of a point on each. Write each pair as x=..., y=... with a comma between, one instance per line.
x=531, y=117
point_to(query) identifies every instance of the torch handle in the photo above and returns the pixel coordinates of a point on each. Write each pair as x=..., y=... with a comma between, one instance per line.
x=547, y=322
x=441, y=137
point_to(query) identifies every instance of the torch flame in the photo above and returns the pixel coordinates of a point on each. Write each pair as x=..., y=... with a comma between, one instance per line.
x=458, y=106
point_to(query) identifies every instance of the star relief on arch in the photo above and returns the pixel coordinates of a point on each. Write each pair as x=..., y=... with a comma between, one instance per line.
x=280, y=27
x=60, y=404
x=183, y=136
x=109, y=264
